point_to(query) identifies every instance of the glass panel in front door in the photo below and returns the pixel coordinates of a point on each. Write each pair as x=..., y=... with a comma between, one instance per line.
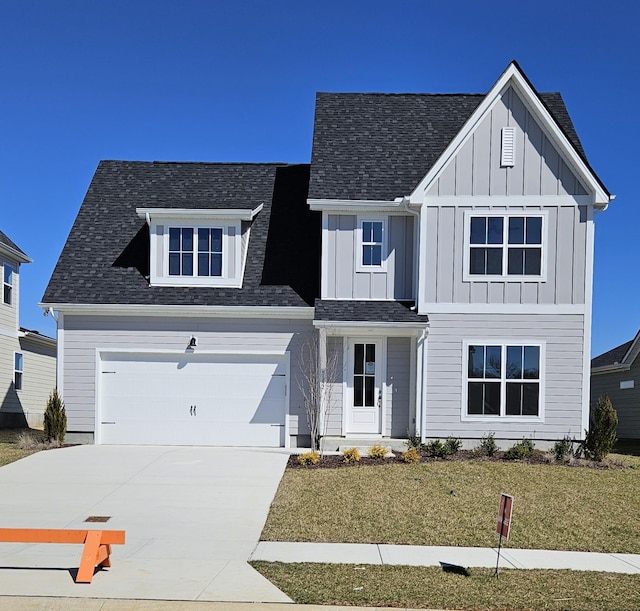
x=364, y=375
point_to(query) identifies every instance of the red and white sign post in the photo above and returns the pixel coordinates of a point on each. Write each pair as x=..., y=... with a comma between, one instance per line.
x=503, y=525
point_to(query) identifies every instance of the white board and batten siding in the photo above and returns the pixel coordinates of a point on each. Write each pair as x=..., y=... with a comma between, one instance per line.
x=562, y=338
x=89, y=340
x=346, y=281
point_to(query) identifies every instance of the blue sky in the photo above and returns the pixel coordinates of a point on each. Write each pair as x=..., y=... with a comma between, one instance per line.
x=235, y=81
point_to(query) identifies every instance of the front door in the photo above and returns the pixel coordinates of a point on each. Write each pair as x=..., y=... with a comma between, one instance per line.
x=365, y=396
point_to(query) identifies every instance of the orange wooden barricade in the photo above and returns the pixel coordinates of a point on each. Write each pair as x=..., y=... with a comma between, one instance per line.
x=97, y=544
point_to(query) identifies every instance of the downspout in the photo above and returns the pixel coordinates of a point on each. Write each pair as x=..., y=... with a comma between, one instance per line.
x=416, y=248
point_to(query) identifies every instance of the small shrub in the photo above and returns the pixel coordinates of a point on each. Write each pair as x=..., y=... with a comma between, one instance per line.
x=411, y=455
x=487, y=445
x=452, y=446
x=562, y=449
x=435, y=448
x=55, y=418
x=601, y=436
x=377, y=452
x=309, y=458
x=413, y=441
x=518, y=451
x=351, y=455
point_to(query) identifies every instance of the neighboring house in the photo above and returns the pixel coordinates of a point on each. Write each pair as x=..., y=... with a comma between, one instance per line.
x=440, y=246
x=27, y=358
x=617, y=373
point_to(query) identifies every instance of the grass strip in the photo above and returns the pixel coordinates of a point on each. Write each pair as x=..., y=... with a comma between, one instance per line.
x=430, y=587
x=9, y=452
x=455, y=503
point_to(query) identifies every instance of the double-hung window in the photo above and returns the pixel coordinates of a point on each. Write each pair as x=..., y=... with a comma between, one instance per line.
x=372, y=244
x=195, y=252
x=503, y=380
x=7, y=284
x=505, y=245
x=18, y=370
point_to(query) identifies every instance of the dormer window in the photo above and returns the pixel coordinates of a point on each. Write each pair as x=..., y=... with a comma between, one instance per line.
x=205, y=251
x=197, y=247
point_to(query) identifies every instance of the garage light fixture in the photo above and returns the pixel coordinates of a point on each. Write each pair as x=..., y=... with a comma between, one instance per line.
x=193, y=342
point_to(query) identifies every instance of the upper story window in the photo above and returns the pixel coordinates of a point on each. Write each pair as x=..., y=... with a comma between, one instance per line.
x=7, y=285
x=509, y=246
x=18, y=370
x=204, y=247
x=195, y=251
x=503, y=380
x=372, y=246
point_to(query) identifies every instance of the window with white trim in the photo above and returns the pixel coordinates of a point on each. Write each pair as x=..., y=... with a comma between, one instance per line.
x=505, y=245
x=196, y=251
x=372, y=243
x=503, y=380
x=18, y=370
x=7, y=283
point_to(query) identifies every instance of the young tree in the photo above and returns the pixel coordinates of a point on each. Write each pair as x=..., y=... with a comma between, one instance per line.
x=317, y=373
x=601, y=436
x=55, y=418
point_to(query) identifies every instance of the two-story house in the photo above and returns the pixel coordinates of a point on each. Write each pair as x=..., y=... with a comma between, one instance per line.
x=439, y=246
x=27, y=358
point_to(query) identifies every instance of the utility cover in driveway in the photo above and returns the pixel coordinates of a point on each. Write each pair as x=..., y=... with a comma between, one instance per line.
x=191, y=399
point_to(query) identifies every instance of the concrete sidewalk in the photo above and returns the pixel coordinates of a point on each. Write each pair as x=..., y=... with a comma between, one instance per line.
x=416, y=555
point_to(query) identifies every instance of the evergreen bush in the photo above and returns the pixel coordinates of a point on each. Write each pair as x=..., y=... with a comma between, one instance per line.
x=601, y=436
x=55, y=418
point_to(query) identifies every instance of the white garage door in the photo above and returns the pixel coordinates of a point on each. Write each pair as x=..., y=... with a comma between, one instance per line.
x=193, y=400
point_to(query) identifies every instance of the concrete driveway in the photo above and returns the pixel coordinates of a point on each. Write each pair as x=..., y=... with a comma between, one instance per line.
x=192, y=517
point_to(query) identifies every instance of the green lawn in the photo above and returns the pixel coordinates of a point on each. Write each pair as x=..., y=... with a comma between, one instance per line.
x=455, y=503
x=394, y=586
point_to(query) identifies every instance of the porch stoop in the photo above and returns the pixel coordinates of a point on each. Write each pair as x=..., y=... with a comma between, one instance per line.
x=338, y=444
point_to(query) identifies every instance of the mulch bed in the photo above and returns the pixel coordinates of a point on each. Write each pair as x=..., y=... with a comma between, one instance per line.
x=336, y=461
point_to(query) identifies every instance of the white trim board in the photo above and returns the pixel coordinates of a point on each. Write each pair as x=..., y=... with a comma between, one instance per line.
x=503, y=308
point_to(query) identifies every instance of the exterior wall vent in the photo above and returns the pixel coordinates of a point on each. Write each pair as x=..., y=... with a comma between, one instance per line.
x=507, y=158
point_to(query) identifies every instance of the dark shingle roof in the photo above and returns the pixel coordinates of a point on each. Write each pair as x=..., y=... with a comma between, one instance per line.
x=106, y=256
x=378, y=146
x=613, y=356
x=366, y=311
x=6, y=241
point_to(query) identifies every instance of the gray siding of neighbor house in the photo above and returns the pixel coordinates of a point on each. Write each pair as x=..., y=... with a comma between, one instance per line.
x=625, y=401
x=344, y=279
x=565, y=253
x=83, y=335
x=9, y=313
x=398, y=396
x=538, y=170
x=25, y=407
x=563, y=337
x=38, y=380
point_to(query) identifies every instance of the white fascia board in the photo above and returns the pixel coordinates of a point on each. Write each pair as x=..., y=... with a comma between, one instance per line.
x=371, y=328
x=356, y=206
x=632, y=349
x=184, y=311
x=242, y=214
x=512, y=77
x=505, y=202
x=503, y=308
x=13, y=255
x=37, y=338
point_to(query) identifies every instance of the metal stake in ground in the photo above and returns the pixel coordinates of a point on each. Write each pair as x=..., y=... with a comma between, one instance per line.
x=503, y=526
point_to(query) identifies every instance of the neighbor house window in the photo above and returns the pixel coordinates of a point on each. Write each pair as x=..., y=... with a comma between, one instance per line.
x=503, y=380
x=7, y=292
x=192, y=253
x=372, y=244
x=18, y=370
x=505, y=245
